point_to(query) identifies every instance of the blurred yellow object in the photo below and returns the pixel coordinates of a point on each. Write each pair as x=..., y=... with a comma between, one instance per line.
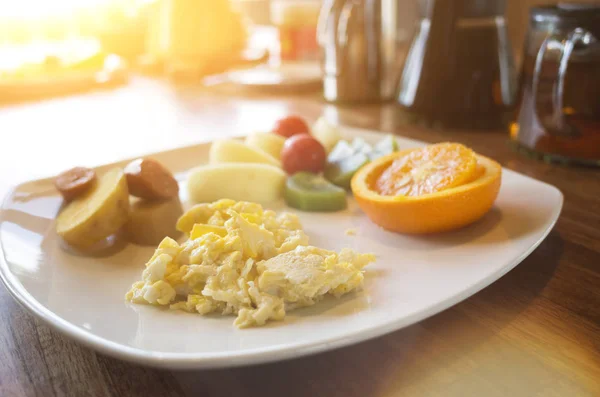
x=47, y=69
x=194, y=32
x=51, y=59
x=42, y=39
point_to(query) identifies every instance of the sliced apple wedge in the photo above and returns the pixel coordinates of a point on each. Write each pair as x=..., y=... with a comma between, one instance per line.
x=326, y=133
x=261, y=183
x=267, y=142
x=232, y=151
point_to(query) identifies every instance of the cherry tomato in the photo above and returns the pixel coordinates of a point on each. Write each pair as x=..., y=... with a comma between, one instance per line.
x=291, y=125
x=303, y=153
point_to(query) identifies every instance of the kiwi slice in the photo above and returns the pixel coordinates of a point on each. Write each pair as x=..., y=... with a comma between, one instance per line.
x=341, y=172
x=311, y=192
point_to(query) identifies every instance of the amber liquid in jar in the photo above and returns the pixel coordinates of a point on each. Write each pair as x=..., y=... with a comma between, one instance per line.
x=581, y=107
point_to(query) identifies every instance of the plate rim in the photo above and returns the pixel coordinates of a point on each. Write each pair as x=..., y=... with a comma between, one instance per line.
x=253, y=356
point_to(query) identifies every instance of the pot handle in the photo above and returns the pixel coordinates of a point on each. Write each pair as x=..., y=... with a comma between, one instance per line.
x=548, y=93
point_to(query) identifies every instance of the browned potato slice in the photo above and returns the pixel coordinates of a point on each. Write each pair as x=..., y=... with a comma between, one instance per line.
x=98, y=213
x=151, y=221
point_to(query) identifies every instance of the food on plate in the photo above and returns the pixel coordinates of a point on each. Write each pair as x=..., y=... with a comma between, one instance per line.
x=152, y=220
x=246, y=261
x=312, y=192
x=340, y=172
x=340, y=151
x=428, y=170
x=102, y=208
x=201, y=229
x=387, y=145
x=427, y=190
x=303, y=153
x=233, y=151
x=149, y=179
x=361, y=146
x=262, y=183
x=291, y=125
x=210, y=214
x=75, y=182
x=350, y=232
x=326, y=133
x=267, y=142
x=98, y=213
x=347, y=158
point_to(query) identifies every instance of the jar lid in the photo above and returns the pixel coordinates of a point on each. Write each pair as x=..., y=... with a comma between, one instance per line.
x=566, y=11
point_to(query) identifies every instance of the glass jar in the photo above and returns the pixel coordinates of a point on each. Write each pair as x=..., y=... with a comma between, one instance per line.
x=558, y=113
x=296, y=23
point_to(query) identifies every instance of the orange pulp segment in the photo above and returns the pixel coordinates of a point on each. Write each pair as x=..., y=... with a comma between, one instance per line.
x=428, y=170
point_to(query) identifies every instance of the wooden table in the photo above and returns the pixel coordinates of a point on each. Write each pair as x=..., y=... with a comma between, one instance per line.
x=535, y=332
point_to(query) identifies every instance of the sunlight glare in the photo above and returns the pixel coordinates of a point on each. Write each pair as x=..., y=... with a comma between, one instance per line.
x=35, y=9
x=42, y=8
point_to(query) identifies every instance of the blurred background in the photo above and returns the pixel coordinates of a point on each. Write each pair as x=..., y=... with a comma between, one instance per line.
x=37, y=35
x=125, y=26
x=348, y=51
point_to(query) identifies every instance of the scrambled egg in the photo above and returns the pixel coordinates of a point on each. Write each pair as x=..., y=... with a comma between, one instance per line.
x=240, y=259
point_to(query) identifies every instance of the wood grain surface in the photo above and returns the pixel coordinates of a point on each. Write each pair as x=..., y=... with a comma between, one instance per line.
x=535, y=332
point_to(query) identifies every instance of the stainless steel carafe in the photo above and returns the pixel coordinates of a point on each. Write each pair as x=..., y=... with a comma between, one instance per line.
x=364, y=43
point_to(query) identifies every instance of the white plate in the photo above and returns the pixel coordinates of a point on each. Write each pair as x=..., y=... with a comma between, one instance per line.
x=413, y=278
